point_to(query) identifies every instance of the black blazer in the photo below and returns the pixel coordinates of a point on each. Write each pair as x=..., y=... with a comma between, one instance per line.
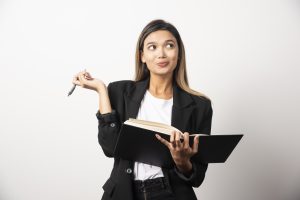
x=189, y=113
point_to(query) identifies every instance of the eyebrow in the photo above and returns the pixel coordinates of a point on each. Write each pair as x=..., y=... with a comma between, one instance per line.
x=156, y=42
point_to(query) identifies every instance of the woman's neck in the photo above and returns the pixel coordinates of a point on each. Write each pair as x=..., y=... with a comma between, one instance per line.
x=161, y=87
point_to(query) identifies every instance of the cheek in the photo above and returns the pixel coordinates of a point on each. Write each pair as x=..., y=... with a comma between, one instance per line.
x=150, y=58
x=173, y=53
x=174, y=56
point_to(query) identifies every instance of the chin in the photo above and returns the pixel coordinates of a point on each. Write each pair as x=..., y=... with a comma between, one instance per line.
x=161, y=73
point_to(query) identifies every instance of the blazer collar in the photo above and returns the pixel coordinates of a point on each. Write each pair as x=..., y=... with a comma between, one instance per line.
x=181, y=98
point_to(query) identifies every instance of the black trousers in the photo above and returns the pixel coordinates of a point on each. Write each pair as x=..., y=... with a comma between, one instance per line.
x=153, y=189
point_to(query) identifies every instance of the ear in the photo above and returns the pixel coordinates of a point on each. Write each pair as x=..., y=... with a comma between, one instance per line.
x=143, y=57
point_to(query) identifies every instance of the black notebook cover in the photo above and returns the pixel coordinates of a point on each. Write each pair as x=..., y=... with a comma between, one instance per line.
x=141, y=145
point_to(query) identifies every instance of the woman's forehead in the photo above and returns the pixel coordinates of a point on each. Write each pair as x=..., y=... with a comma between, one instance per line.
x=159, y=36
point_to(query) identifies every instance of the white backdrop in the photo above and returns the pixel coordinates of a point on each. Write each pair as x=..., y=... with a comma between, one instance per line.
x=244, y=54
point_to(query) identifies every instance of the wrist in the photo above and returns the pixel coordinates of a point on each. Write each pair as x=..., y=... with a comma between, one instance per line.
x=185, y=168
x=101, y=87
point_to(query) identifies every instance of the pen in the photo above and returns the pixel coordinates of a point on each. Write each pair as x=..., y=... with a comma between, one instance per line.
x=86, y=76
x=72, y=90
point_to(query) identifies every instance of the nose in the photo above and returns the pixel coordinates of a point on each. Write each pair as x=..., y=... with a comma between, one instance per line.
x=161, y=52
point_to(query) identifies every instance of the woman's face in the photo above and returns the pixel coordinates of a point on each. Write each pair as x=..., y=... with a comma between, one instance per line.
x=160, y=53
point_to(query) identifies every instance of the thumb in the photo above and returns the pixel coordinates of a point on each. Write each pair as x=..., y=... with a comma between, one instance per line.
x=196, y=143
x=76, y=81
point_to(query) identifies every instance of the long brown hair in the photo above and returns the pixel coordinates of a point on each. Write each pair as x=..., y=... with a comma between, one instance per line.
x=179, y=74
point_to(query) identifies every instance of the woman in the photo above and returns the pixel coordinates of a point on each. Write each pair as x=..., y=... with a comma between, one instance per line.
x=160, y=92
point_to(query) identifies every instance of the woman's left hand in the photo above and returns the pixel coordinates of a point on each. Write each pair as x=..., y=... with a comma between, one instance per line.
x=181, y=151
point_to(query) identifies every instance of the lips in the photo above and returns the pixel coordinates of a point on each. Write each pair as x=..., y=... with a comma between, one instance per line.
x=162, y=64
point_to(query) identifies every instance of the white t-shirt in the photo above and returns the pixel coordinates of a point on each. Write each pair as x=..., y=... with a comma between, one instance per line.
x=157, y=110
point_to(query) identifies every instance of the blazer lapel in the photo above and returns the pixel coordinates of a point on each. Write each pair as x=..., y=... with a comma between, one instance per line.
x=134, y=97
x=182, y=109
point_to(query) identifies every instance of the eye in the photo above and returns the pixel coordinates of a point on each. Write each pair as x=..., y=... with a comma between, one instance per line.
x=151, y=47
x=170, y=45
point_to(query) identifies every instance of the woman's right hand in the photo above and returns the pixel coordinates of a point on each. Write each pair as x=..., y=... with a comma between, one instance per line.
x=85, y=80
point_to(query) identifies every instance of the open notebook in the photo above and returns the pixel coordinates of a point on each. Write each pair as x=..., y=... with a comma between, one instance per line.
x=137, y=142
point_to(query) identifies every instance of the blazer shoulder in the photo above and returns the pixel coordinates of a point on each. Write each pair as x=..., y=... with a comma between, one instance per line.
x=122, y=85
x=122, y=82
x=202, y=101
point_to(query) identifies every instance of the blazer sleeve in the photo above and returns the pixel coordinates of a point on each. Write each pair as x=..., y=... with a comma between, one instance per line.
x=108, y=128
x=199, y=169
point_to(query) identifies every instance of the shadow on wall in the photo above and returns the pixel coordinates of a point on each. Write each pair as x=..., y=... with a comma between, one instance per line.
x=296, y=195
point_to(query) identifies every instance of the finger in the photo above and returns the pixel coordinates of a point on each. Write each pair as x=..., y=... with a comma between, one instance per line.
x=82, y=80
x=162, y=140
x=186, y=142
x=82, y=72
x=88, y=73
x=76, y=80
x=85, y=73
x=172, y=139
x=88, y=76
x=177, y=140
x=81, y=77
x=196, y=144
